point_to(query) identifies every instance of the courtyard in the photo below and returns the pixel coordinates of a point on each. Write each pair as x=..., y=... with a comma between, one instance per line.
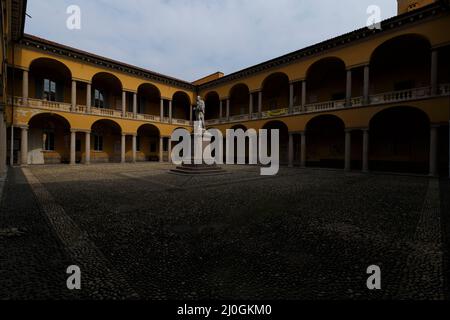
x=138, y=232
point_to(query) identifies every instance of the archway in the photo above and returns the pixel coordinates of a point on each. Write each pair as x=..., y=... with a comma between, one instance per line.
x=212, y=102
x=181, y=106
x=401, y=63
x=275, y=92
x=147, y=143
x=48, y=139
x=50, y=80
x=284, y=139
x=399, y=140
x=239, y=100
x=106, y=141
x=106, y=91
x=325, y=142
x=149, y=100
x=326, y=80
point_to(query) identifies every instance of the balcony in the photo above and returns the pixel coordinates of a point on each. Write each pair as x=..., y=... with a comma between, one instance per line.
x=79, y=109
x=376, y=99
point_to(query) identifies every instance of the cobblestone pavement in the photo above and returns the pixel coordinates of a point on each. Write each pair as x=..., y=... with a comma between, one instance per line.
x=138, y=231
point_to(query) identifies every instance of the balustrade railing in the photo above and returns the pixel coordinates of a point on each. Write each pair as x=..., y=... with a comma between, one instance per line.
x=386, y=97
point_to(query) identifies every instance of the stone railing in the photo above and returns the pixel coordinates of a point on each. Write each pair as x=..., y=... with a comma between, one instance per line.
x=404, y=95
x=376, y=99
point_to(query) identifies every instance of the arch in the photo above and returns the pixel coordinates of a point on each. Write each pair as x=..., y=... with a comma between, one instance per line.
x=390, y=64
x=106, y=91
x=106, y=141
x=275, y=91
x=148, y=143
x=399, y=140
x=47, y=138
x=212, y=102
x=325, y=136
x=326, y=80
x=239, y=99
x=50, y=79
x=149, y=99
x=284, y=138
x=181, y=105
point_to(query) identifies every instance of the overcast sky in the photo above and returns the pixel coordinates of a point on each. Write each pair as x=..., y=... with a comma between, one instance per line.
x=189, y=39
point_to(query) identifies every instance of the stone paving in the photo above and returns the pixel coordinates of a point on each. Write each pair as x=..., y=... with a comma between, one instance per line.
x=138, y=231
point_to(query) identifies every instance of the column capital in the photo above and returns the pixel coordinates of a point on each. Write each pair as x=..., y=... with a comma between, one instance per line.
x=435, y=125
x=23, y=126
x=80, y=130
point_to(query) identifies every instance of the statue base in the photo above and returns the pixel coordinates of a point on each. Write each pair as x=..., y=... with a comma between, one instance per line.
x=198, y=169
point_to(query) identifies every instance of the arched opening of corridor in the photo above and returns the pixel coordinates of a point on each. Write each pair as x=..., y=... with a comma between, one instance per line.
x=212, y=106
x=399, y=141
x=326, y=81
x=284, y=139
x=181, y=106
x=149, y=100
x=325, y=142
x=275, y=92
x=239, y=100
x=48, y=139
x=147, y=143
x=106, y=141
x=50, y=80
x=106, y=91
x=402, y=63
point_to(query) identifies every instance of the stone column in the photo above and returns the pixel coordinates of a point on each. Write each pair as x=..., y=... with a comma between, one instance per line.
x=161, y=111
x=228, y=109
x=221, y=110
x=74, y=96
x=123, y=148
x=348, y=150
x=88, y=97
x=348, y=96
x=24, y=147
x=190, y=113
x=303, y=150
x=73, y=137
x=124, y=104
x=366, y=98
x=291, y=150
x=434, y=72
x=161, y=149
x=25, y=87
x=434, y=150
x=250, y=105
x=170, y=111
x=260, y=103
x=291, y=97
x=134, y=104
x=134, y=148
x=169, y=143
x=303, y=94
x=88, y=148
x=365, y=156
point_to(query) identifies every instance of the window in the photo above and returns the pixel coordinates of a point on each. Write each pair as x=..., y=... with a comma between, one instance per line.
x=48, y=139
x=138, y=143
x=98, y=142
x=99, y=99
x=49, y=90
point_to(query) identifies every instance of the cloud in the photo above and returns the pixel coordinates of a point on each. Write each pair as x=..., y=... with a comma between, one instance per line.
x=189, y=39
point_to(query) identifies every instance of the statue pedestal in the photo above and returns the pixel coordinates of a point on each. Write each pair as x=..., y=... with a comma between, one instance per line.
x=197, y=166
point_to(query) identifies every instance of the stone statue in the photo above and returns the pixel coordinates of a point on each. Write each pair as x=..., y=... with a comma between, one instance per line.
x=200, y=113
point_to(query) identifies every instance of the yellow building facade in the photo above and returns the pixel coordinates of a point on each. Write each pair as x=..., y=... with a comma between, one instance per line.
x=372, y=99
